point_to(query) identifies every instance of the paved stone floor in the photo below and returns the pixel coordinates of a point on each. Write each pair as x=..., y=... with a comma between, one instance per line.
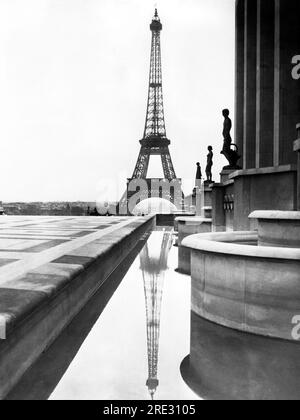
x=49, y=269
x=27, y=242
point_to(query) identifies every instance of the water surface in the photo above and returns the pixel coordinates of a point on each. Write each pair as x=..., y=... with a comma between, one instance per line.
x=129, y=342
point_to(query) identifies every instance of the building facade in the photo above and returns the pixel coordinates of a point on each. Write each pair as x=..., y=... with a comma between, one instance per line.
x=266, y=114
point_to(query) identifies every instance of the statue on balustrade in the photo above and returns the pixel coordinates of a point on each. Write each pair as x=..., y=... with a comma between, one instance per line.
x=230, y=150
x=209, y=164
x=198, y=175
x=199, y=171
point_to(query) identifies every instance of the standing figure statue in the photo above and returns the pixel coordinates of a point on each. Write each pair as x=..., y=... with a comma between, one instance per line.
x=209, y=164
x=231, y=155
x=199, y=171
x=198, y=175
x=226, y=131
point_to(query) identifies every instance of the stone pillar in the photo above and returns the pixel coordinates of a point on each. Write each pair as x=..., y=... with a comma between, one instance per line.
x=277, y=95
x=239, y=75
x=242, y=205
x=265, y=83
x=286, y=88
x=297, y=149
x=250, y=56
x=218, y=213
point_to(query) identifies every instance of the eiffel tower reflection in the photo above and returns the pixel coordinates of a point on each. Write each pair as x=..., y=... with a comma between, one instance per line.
x=154, y=266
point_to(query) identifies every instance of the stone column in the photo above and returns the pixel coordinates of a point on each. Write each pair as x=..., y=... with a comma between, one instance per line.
x=250, y=56
x=286, y=88
x=239, y=75
x=265, y=83
x=297, y=149
x=277, y=96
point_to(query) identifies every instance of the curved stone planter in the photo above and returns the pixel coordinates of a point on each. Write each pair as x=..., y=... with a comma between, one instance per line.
x=189, y=226
x=278, y=228
x=248, y=288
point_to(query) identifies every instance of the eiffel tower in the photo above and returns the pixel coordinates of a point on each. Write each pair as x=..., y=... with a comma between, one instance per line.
x=155, y=141
x=153, y=268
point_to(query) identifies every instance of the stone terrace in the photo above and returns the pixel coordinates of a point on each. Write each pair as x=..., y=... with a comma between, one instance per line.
x=49, y=268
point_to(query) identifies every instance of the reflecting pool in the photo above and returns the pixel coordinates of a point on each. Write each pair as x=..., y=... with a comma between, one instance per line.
x=130, y=340
x=136, y=339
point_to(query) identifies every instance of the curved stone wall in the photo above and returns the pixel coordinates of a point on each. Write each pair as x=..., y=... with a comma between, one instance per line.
x=225, y=364
x=248, y=288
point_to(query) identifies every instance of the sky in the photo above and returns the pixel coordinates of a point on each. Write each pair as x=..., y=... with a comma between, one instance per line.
x=73, y=91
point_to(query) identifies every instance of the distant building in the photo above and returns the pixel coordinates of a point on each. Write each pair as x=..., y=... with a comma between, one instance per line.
x=1, y=209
